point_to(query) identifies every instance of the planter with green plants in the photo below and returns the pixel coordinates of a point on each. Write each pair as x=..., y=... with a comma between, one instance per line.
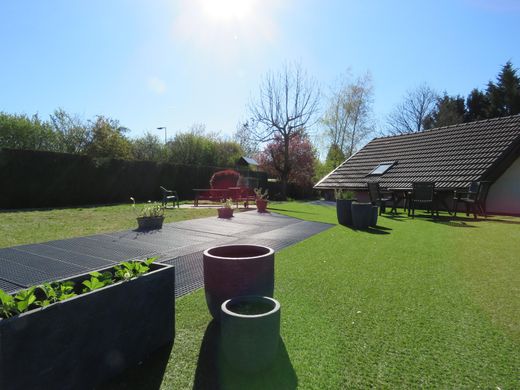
x=79, y=332
x=150, y=217
x=261, y=200
x=226, y=211
x=344, y=201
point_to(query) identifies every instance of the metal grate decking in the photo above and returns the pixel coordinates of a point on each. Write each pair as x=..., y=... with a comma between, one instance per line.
x=180, y=244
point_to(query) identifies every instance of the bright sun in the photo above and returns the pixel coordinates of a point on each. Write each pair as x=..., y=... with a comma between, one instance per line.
x=228, y=10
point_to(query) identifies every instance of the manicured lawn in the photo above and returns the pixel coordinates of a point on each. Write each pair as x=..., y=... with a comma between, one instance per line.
x=412, y=304
x=415, y=304
x=24, y=227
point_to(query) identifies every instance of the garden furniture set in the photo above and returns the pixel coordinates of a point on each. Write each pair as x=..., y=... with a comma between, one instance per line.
x=421, y=195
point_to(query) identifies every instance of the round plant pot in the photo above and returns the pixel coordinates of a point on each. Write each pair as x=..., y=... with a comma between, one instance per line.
x=236, y=270
x=150, y=223
x=250, y=332
x=225, y=212
x=261, y=205
x=375, y=213
x=361, y=215
x=343, y=211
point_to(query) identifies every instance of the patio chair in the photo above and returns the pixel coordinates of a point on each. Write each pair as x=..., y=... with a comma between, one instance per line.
x=169, y=196
x=474, y=198
x=423, y=194
x=377, y=198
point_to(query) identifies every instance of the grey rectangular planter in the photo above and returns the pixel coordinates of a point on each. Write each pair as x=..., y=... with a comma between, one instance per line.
x=83, y=341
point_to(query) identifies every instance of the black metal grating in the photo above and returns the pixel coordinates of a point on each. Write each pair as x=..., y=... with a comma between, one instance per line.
x=180, y=244
x=79, y=259
x=8, y=287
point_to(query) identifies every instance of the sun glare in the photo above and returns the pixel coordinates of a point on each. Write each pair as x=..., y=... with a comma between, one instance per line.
x=228, y=10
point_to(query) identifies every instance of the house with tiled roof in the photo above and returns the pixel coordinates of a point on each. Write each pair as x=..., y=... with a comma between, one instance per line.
x=451, y=156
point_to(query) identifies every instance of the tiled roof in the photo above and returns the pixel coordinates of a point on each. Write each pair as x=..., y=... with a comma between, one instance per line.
x=450, y=156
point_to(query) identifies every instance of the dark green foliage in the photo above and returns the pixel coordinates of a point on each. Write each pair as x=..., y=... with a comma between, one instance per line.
x=44, y=179
x=449, y=110
x=504, y=95
x=501, y=98
x=477, y=106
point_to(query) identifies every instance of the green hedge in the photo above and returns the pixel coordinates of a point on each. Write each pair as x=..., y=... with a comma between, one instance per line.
x=31, y=179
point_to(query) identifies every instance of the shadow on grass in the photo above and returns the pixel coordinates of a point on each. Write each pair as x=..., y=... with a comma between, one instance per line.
x=147, y=375
x=292, y=211
x=213, y=372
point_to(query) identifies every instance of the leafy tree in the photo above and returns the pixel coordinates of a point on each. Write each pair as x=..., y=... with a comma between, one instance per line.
x=348, y=119
x=409, y=116
x=287, y=103
x=504, y=95
x=302, y=156
x=197, y=147
x=148, y=147
x=477, y=106
x=18, y=131
x=72, y=134
x=108, y=139
x=449, y=110
x=335, y=157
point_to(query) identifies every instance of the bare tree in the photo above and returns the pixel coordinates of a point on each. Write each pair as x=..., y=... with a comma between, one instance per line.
x=409, y=116
x=348, y=119
x=245, y=139
x=287, y=104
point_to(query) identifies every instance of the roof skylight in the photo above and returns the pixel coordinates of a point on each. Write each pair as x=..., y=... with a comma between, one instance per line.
x=382, y=168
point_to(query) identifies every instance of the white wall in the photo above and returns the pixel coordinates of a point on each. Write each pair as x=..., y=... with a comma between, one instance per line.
x=504, y=194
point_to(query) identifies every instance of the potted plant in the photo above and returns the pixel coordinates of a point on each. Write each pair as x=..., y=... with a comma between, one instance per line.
x=375, y=213
x=226, y=210
x=236, y=270
x=362, y=215
x=150, y=217
x=261, y=200
x=250, y=332
x=79, y=332
x=344, y=201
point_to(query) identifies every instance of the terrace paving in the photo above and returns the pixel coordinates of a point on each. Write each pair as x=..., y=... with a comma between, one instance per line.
x=180, y=244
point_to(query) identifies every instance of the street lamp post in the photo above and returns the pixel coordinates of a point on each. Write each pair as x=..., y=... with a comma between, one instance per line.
x=161, y=128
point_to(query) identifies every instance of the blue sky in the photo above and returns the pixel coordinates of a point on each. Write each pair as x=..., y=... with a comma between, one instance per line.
x=174, y=63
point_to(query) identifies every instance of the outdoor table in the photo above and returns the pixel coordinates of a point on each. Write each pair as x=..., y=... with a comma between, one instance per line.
x=215, y=195
x=406, y=194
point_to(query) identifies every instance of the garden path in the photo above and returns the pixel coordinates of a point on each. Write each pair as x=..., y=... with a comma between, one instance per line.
x=180, y=244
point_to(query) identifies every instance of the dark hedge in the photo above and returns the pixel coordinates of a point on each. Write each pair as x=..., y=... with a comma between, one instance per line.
x=31, y=179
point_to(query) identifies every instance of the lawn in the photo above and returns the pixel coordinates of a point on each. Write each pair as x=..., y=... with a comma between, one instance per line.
x=412, y=304
x=30, y=226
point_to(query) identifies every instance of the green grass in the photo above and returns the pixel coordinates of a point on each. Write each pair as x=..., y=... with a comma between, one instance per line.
x=412, y=304
x=30, y=226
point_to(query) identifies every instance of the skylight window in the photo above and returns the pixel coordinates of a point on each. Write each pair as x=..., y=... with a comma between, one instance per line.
x=382, y=168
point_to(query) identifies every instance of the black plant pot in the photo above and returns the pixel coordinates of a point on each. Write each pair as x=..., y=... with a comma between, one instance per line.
x=250, y=332
x=375, y=213
x=84, y=341
x=362, y=215
x=343, y=211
